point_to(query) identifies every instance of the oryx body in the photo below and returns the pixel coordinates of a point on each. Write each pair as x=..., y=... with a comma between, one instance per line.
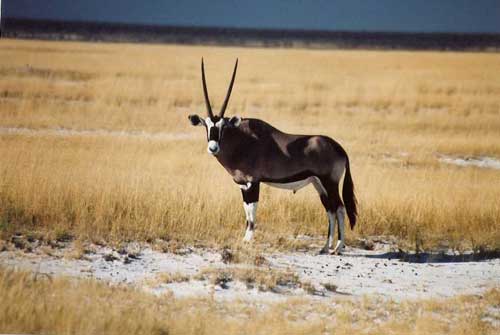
x=254, y=152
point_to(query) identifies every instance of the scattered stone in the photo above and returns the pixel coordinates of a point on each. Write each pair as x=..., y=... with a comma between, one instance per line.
x=63, y=237
x=133, y=255
x=30, y=238
x=110, y=257
x=227, y=256
x=122, y=251
x=366, y=244
x=312, y=289
x=183, y=251
x=55, y=244
x=330, y=287
x=222, y=279
x=260, y=260
x=18, y=241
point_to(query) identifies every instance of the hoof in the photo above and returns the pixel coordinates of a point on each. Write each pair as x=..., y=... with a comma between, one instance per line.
x=338, y=249
x=324, y=251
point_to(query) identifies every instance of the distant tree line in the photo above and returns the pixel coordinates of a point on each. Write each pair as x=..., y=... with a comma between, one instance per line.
x=111, y=32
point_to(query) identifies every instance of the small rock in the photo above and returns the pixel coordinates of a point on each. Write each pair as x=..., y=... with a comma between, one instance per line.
x=223, y=279
x=388, y=281
x=367, y=245
x=18, y=242
x=132, y=256
x=260, y=260
x=122, y=251
x=110, y=257
x=227, y=256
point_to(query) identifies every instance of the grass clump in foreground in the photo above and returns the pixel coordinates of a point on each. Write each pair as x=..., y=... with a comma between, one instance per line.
x=36, y=304
x=261, y=278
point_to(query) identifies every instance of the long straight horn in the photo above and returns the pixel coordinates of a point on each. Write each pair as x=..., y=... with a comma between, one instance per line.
x=223, y=108
x=207, y=100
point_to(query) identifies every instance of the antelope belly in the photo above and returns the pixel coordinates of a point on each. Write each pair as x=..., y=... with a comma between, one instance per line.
x=294, y=186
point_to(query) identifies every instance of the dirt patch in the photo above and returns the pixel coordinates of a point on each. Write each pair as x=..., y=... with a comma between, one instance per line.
x=482, y=162
x=205, y=272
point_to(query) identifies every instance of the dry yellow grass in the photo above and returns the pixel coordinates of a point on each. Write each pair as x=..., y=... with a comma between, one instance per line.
x=40, y=305
x=404, y=105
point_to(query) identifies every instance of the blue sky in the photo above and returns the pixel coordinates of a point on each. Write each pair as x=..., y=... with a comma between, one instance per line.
x=357, y=15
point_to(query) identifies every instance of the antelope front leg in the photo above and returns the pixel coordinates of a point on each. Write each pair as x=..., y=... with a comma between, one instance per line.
x=250, y=193
x=250, y=212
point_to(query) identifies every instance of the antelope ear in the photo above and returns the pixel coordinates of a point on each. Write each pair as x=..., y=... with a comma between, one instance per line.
x=235, y=121
x=195, y=120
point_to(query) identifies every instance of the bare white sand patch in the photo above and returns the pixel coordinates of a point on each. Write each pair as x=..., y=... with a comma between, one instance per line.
x=362, y=272
x=354, y=274
x=482, y=161
x=66, y=132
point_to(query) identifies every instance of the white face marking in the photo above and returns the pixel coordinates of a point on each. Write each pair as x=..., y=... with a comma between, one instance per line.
x=340, y=218
x=209, y=123
x=213, y=147
x=220, y=123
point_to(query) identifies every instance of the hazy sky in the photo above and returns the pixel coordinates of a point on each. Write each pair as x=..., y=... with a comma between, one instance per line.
x=365, y=15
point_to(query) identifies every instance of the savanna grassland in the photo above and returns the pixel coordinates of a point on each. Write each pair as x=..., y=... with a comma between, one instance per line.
x=95, y=146
x=95, y=143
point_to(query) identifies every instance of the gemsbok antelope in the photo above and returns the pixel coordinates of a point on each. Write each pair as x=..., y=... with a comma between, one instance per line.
x=254, y=152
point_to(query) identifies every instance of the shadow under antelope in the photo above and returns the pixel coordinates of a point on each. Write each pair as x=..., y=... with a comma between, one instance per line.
x=254, y=152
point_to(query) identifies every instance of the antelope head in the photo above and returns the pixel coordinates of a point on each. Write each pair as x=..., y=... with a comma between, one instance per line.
x=215, y=124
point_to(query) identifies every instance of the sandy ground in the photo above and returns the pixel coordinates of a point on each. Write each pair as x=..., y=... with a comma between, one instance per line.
x=482, y=161
x=355, y=273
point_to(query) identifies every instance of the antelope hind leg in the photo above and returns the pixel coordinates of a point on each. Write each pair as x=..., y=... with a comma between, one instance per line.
x=331, y=229
x=341, y=233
